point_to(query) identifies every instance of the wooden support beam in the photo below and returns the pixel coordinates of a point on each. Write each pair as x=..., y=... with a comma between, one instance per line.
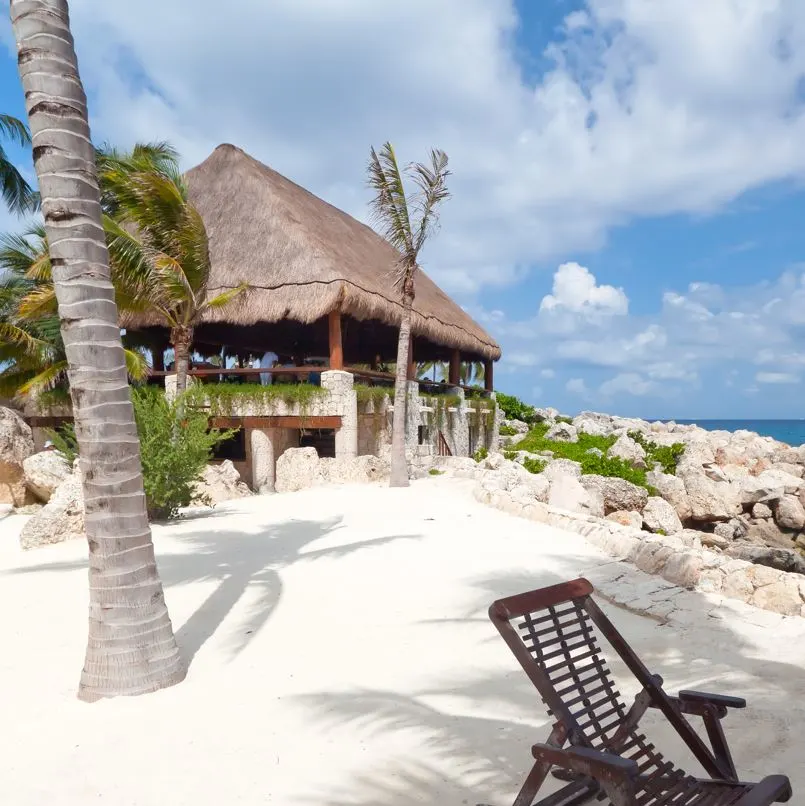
x=454, y=376
x=489, y=378
x=336, y=349
x=276, y=422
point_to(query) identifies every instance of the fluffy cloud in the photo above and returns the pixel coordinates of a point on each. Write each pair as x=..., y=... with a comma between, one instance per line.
x=575, y=290
x=699, y=337
x=644, y=108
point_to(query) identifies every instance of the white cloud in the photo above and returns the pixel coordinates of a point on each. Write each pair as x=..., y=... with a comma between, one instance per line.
x=629, y=383
x=776, y=377
x=575, y=290
x=547, y=373
x=577, y=386
x=646, y=108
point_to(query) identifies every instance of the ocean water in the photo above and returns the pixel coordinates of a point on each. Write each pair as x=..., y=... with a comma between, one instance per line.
x=790, y=431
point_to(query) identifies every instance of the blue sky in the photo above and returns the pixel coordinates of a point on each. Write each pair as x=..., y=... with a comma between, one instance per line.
x=628, y=175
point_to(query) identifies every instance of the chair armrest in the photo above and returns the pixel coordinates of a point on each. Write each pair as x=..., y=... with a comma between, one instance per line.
x=586, y=761
x=712, y=699
x=772, y=789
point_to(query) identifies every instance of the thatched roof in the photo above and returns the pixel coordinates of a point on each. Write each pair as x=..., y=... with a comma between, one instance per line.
x=303, y=257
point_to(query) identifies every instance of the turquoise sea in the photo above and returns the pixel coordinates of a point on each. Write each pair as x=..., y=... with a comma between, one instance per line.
x=790, y=431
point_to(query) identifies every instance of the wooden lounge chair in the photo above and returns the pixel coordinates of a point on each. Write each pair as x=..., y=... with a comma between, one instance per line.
x=595, y=744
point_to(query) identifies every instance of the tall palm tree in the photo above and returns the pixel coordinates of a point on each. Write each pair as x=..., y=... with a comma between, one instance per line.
x=406, y=222
x=17, y=193
x=131, y=647
x=158, y=245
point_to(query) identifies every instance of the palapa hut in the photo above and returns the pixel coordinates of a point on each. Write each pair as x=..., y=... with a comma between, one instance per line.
x=320, y=285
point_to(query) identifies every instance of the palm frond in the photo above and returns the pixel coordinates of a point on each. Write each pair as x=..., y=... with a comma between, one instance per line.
x=389, y=207
x=38, y=303
x=224, y=298
x=15, y=130
x=136, y=364
x=47, y=378
x=15, y=336
x=431, y=183
x=17, y=194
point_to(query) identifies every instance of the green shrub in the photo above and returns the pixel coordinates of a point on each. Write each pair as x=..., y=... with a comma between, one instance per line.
x=514, y=409
x=510, y=455
x=534, y=465
x=480, y=454
x=602, y=465
x=64, y=441
x=668, y=456
x=507, y=431
x=223, y=399
x=564, y=419
x=434, y=472
x=175, y=447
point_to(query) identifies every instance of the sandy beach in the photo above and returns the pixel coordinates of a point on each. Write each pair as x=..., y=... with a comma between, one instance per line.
x=340, y=653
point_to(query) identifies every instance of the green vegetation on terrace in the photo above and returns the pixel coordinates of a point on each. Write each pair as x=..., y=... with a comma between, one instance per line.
x=225, y=398
x=514, y=408
x=375, y=394
x=593, y=463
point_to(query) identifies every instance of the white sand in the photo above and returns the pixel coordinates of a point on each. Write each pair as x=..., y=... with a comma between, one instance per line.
x=341, y=654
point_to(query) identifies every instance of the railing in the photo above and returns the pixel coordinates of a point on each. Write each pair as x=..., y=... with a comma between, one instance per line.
x=443, y=447
x=373, y=376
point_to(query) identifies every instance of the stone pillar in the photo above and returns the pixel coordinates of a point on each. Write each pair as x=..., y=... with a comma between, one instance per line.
x=345, y=401
x=458, y=437
x=170, y=386
x=494, y=437
x=263, y=461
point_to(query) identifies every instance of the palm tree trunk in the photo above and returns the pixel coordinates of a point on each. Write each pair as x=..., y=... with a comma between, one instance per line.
x=131, y=647
x=181, y=338
x=399, y=466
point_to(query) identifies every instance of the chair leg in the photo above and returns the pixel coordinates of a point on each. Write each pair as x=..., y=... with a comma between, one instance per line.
x=536, y=778
x=718, y=742
x=582, y=791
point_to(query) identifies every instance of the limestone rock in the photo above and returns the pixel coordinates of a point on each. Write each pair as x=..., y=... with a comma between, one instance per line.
x=683, y=568
x=781, y=559
x=626, y=517
x=16, y=445
x=761, y=511
x=790, y=468
x=515, y=425
x=567, y=493
x=660, y=516
x=354, y=470
x=297, y=469
x=617, y=493
x=221, y=482
x=546, y=414
x=710, y=500
x=779, y=597
x=789, y=513
x=672, y=489
x=5, y=509
x=594, y=424
x=562, y=432
x=715, y=540
x=627, y=449
x=562, y=467
x=770, y=485
x=62, y=518
x=44, y=472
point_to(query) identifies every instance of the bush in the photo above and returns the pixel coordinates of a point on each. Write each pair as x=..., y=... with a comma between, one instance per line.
x=562, y=418
x=64, y=441
x=434, y=472
x=666, y=455
x=480, y=454
x=507, y=431
x=534, y=465
x=601, y=465
x=514, y=409
x=175, y=446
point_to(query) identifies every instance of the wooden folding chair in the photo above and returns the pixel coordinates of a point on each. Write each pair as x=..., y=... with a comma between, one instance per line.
x=552, y=633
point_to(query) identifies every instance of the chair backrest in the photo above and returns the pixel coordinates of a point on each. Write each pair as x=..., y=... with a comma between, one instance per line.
x=554, y=634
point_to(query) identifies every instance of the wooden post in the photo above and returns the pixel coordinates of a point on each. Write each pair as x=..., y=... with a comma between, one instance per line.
x=411, y=366
x=158, y=356
x=336, y=350
x=489, y=380
x=454, y=375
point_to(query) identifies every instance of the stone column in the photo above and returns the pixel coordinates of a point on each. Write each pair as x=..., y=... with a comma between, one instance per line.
x=494, y=437
x=344, y=401
x=458, y=437
x=263, y=461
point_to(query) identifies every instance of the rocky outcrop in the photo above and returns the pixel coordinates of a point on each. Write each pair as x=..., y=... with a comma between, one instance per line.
x=562, y=432
x=617, y=493
x=301, y=468
x=16, y=445
x=710, y=501
x=659, y=516
x=62, y=518
x=627, y=449
x=672, y=489
x=220, y=482
x=567, y=492
x=44, y=472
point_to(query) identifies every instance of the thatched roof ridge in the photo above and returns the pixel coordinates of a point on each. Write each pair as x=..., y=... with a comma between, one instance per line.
x=303, y=257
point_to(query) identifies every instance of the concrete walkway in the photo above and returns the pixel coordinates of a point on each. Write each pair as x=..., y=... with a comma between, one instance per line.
x=341, y=654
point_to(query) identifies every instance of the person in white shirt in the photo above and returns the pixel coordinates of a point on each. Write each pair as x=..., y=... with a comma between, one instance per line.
x=269, y=359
